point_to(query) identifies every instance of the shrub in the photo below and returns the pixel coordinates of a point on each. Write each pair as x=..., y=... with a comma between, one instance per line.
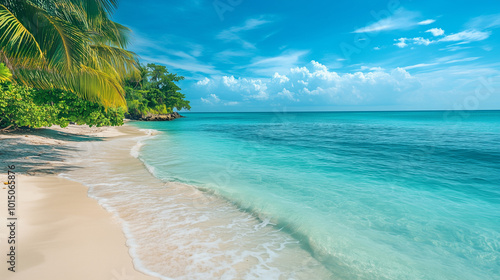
x=21, y=106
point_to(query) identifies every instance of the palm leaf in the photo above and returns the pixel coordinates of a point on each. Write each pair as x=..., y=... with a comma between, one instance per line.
x=112, y=59
x=95, y=9
x=67, y=44
x=15, y=39
x=88, y=83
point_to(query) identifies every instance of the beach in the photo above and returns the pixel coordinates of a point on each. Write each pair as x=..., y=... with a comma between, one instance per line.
x=61, y=233
x=250, y=196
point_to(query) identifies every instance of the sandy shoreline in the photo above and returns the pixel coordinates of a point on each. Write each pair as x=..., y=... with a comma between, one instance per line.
x=121, y=221
x=61, y=233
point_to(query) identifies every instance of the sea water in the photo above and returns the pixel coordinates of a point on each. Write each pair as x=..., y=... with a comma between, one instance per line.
x=322, y=195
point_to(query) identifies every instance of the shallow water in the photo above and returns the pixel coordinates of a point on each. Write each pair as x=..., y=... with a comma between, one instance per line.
x=176, y=231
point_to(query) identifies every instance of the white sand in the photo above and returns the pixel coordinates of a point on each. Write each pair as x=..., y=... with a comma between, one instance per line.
x=61, y=232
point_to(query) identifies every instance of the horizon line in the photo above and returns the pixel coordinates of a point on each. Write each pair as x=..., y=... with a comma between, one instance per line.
x=345, y=111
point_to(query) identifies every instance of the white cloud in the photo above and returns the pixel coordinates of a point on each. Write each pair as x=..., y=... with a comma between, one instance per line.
x=288, y=94
x=454, y=48
x=462, y=60
x=191, y=65
x=250, y=88
x=280, y=63
x=233, y=34
x=436, y=31
x=400, y=20
x=442, y=60
x=405, y=42
x=401, y=42
x=229, y=81
x=463, y=37
x=467, y=36
x=421, y=41
x=438, y=84
x=426, y=22
x=364, y=68
x=280, y=78
x=420, y=65
x=211, y=99
x=327, y=87
x=203, y=82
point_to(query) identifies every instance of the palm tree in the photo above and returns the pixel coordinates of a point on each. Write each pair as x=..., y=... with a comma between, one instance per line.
x=67, y=44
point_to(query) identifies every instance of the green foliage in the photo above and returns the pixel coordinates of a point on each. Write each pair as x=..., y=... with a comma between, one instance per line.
x=21, y=106
x=72, y=45
x=5, y=74
x=154, y=92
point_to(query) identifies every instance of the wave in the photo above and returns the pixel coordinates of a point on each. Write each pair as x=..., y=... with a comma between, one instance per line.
x=176, y=231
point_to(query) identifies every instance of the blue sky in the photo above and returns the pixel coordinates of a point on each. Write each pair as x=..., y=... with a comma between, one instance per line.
x=242, y=55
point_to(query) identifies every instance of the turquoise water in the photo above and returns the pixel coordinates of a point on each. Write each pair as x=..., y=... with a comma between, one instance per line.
x=371, y=195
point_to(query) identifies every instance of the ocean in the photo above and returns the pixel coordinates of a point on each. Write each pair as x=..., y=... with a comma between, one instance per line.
x=309, y=195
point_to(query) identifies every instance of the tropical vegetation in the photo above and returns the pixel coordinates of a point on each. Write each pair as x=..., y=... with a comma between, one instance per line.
x=155, y=92
x=59, y=57
x=21, y=106
x=66, y=44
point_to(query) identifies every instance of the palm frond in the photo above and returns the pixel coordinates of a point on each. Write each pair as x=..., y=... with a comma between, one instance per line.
x=88, y=83
x=67, y=44
x=113, y=59
x=63, y=43
x=115, y=34
x=95, y=8
x=99, y=86
x=15, y=39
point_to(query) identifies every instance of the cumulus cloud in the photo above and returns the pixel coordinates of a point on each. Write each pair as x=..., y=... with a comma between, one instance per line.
x=280, y=78
x=401, y=42
x=250, y=88
x=229, y=81
x=203, y=82
x=421, y=41
x=288, y=94
x=315, y=83
x=436, y=31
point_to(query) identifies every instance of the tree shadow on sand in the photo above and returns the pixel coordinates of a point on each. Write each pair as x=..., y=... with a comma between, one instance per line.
x=39, y=151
